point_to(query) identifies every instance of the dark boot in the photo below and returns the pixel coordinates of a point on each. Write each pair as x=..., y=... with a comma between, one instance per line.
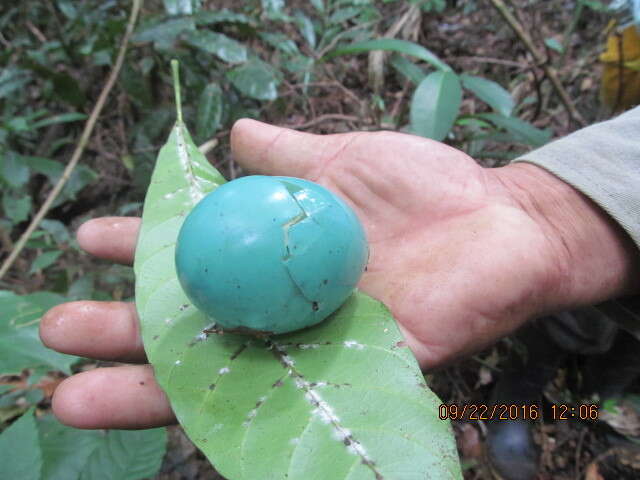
x=512, y=453
x=610, y=374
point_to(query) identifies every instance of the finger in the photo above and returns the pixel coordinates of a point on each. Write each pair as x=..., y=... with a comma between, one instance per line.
x=101, y=330
x=111, y=238
x=125, y=397
x=269, y=150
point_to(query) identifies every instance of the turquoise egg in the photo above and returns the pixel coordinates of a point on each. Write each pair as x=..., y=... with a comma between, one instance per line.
x=270, y=254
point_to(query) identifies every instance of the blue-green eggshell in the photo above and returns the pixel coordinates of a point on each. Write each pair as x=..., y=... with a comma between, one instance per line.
x=270, y=254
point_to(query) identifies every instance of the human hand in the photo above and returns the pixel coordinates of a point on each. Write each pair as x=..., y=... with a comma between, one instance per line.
x=460, y=254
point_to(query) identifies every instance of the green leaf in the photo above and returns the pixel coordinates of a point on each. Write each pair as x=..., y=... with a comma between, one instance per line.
x=82, y=288
x=44, y=260
x=343, y=14
x=305, y=25
x=79, y=179
x=19, y=340
x=392, y=45
x=218, y=44
x=209, y=116
x=61, y=118
x=181, y=7
x=64, y=85
x=211, y=17
x=67, y=8
x=65, y=451
x=137, y=86
x=14, y=170
x=274, y=9
x=163, y=34
x=20, y=455
x=410, y=70
x=71, y=454
x=50, y=168
x=255, y=79
x=16, y=206
x=489, y=92
x=280, y=41
x=553, y=44
x=12, y=79
x=435, y=105
x=522, y=131
x=343, y=399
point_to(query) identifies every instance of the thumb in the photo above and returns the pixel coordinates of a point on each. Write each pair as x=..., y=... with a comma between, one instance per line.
x=265, y=149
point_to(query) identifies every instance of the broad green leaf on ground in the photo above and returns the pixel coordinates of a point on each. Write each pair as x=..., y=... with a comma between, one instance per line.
x=489, y=92
x=70, y=454
x=342, y=400
x=19, y=340
x=255, y=79
x=435, y=105
x=20, y=455
x=522, y=131
x=217, y=44
x=209, y=112
x=392, y=45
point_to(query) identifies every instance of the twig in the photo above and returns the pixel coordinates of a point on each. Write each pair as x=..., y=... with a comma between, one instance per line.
x=498, y=61
x=82, y=143
x=578, y=453
x=36, y=32
x=540, y=59
x=324, y=118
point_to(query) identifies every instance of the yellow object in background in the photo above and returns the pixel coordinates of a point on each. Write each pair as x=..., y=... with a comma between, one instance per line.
x=620, y=88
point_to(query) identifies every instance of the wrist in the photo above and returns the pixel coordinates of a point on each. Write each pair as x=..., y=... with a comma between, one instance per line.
x=592, y=258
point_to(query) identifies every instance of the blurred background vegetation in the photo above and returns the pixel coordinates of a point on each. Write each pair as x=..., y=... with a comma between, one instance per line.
x=309, y=65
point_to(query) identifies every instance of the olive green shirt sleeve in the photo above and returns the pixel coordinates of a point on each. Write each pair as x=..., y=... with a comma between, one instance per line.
x=603, y=162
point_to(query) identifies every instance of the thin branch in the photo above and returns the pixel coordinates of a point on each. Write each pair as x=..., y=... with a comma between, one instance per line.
x=324, y=118
x=82, y=143
x=540, y=59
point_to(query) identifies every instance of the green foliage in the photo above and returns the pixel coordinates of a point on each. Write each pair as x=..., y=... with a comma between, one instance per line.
x=489, y=92
x=296, y=396
x=436, y=101
x=19, y=341
x=44, y=449
x=235, y=62
x=435, y=104
x=20, y=453
x=392, y=45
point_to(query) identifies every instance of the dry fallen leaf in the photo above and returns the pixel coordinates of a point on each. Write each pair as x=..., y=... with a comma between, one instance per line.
x=620, y=87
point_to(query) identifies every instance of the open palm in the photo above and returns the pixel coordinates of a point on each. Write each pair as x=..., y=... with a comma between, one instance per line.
x=454, y=255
